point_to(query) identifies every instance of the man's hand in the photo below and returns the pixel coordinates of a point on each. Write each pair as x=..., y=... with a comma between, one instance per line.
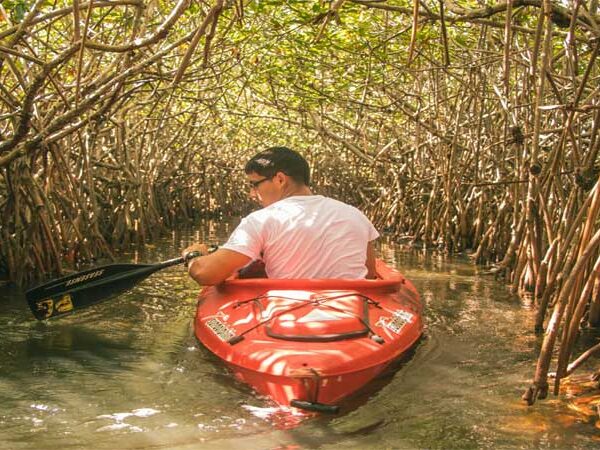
x=196, y=247
x=212, y=268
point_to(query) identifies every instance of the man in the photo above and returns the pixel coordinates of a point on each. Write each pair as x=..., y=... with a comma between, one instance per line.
x=296, y=234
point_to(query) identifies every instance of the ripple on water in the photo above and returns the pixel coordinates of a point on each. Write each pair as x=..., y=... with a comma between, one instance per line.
x=119, y=423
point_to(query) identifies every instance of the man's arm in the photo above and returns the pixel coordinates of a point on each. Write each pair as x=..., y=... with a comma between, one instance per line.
x=371, y=271
x=216, y=267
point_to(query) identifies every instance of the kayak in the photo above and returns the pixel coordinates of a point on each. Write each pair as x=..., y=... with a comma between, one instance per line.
x=308, y=344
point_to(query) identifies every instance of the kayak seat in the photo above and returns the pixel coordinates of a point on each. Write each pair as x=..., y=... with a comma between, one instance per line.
x=315, y=316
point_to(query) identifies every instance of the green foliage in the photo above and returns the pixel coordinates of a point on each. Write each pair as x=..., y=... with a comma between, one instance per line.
x=17, y=9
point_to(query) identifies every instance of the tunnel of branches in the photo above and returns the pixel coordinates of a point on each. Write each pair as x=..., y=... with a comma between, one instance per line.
x=452, y=124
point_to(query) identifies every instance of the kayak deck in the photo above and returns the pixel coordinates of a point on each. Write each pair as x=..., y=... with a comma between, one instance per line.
x=309, y=343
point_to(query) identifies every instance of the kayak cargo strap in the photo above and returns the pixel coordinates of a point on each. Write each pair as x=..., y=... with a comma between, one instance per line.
x=315, y=406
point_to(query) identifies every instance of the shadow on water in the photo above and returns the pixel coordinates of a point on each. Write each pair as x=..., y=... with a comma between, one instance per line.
x=76, y=343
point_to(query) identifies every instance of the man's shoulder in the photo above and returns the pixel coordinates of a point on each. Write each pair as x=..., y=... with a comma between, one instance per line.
x=258, y=215
x=264, y=214
x=334, y=203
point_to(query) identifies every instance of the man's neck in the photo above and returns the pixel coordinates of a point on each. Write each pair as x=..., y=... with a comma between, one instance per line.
x=297, y=190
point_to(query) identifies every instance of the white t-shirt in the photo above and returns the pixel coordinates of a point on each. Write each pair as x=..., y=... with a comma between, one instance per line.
x=306, y=237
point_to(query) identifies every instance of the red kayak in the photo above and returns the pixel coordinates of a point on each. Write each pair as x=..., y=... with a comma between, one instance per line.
x=310, y=343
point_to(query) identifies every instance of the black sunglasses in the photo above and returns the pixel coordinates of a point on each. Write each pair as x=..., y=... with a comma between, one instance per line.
x=255, y=184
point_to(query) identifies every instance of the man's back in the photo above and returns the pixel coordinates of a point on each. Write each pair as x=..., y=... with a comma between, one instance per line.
x=306, y=237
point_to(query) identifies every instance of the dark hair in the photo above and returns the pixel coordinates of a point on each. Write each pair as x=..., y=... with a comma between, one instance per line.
x=280, y=159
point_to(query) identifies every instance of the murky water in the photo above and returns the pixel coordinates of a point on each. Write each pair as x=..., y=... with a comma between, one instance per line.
x=129, y=374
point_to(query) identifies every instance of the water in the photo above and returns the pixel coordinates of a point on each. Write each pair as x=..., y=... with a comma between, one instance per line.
x=129, y=374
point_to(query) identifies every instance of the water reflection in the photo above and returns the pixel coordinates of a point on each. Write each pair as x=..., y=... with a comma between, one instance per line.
x=129, y=374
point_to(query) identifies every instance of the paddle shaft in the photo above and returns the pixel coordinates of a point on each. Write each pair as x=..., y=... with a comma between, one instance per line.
x=91, y=286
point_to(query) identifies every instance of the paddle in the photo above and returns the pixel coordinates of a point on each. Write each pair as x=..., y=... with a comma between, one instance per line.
x=83, y=289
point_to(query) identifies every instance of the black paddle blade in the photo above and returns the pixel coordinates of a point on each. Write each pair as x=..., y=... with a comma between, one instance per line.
x=86, y=288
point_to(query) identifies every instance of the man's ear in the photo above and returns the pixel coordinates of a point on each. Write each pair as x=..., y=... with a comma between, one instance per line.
x=281, y=177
